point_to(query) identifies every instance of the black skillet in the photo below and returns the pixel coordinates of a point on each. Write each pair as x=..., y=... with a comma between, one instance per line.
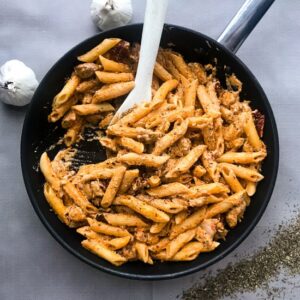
x=38, y=135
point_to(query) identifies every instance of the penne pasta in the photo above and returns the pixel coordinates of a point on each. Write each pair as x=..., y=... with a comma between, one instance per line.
x=128, y=178
x=111, y=91
x=113, y=66
x=170, y=138
x=113, y=187
x=143, y=208
x=108, y=77
x=181, y=240
x=168, y=189
x=103, y=252
x=242, y=157
x=67, y=91
x=79, y=198
x=190, y=222
x=185, y=163
x=242, y=172
x=148, y=160
x=161, y=72
x=91, y=109
x=48, y=172
x=122, y=219
x=131, y=144
x=100, y=49
x=179, y=169
x=106, y=229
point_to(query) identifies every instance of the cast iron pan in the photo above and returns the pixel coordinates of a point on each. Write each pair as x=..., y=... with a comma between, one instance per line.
x=38, y=135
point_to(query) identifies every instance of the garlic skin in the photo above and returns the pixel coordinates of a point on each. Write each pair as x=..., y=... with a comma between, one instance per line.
x=108, y=14
x=17, y=83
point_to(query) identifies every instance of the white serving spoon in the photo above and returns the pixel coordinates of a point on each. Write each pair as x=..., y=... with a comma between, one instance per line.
x=152, y=30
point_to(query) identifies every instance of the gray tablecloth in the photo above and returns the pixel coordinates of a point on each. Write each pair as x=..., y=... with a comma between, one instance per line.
x=32, y=264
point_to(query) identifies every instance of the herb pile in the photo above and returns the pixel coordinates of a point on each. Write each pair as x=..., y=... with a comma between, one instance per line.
x=249, y=274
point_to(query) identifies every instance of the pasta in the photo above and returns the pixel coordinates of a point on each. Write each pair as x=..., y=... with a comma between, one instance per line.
x=180, y=169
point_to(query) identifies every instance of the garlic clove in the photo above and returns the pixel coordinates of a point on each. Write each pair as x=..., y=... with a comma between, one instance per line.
x=108, y=14
x=17, y=83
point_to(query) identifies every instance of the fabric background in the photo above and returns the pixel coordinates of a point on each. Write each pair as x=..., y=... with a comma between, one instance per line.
x=32, y=264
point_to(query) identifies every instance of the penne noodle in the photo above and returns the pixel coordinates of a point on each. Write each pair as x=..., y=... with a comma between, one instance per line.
x=199, y=72
x=103, y=252
x=69, y=119
x=59, y=111
x=108, y=143
x=190, y=222
x=209, y=189
x=242, y=157
x=108, y=77
x=48, y=172
x=143, y=253
x=113, y=66
x=80, y=199
x=231, y=179
x=130, y=132
x=131, y=144
x=124, y=220
x=210, y=108
x=251, y=132
x=190, y=93
x=142, y=208
x=170, y=138
x=67, y=91
x=168, y=189
x=89, y=234
x=111, y=91
x=113, y=187
x=224, y=206
x=200, y=122
x=91, y=109
x=128, y=178
x=149, y=160
x=242, y=172
x=55, y=203
x=199, y=171
x=161, y=72
x=177, y=243
x=192, y=250
x=185, y=163
x=106, y=229
x=100, y=49
x=180, y=64
x=164, y=89
x=180, y=217
x=211, y=165
x=171, y=206
x=157, y=227
x=118, y=243
x=86, y=86
x=73, y=132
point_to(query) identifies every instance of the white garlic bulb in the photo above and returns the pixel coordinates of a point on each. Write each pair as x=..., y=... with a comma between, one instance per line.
x=17, y=83
x=108, y=14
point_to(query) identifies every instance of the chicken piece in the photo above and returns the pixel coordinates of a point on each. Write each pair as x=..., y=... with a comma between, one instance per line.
x=235, y=214
x=86, y=70
x=181, y=148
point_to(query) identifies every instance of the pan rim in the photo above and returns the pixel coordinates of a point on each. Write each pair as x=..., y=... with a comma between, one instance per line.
x=191, y=269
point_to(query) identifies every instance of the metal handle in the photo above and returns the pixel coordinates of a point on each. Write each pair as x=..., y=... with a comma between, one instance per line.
x=243, y=23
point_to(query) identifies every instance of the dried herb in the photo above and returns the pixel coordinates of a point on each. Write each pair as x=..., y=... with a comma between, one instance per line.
x=249, y=274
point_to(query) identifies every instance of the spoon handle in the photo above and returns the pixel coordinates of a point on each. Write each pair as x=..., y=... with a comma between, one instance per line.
x=153, y=26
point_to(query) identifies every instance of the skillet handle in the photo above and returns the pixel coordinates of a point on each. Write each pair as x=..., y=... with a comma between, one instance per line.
x=243, y=23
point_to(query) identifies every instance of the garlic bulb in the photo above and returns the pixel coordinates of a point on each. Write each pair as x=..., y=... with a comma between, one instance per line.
x=108, y=14
x=17, y=83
